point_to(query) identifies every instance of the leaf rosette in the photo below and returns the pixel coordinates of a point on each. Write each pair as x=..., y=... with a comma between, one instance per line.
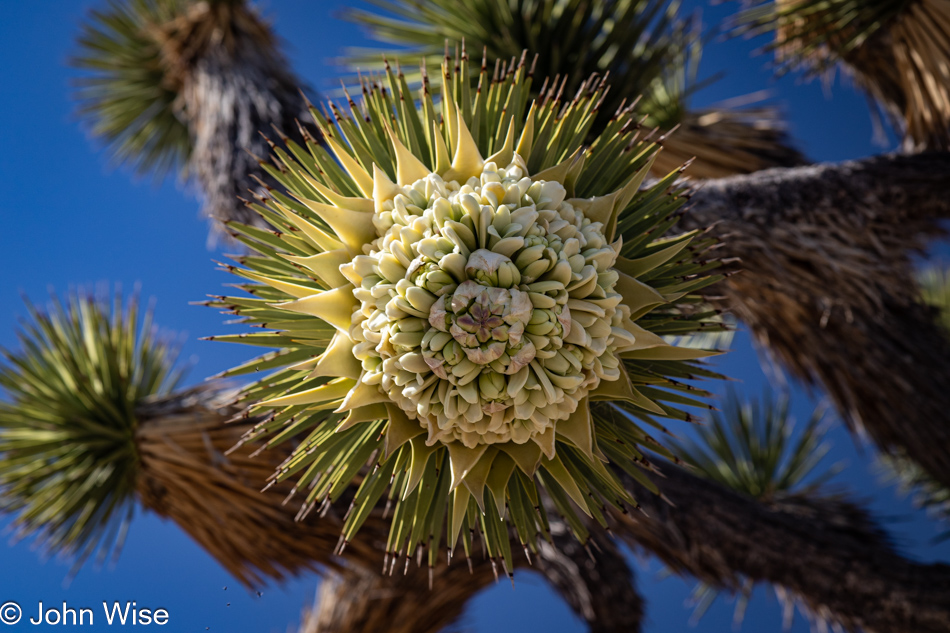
x=70, y=459
x=456, y=292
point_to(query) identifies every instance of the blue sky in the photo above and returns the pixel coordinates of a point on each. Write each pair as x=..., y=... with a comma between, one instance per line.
x=72, y=219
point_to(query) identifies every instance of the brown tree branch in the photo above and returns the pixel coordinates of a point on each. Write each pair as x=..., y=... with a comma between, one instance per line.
x=234, y=86
x=827, y=286
x=605, y=597
x=185, y=476
x=600, y=592
x=826, y=551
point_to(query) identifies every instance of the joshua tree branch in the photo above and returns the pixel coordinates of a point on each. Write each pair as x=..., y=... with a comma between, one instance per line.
x=599, y=587
x=826, y=551
x=360, y=600
x=216, y=499
x=228, y=144
x=828, y=287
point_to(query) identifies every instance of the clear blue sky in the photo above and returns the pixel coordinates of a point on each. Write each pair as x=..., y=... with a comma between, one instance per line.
x=69, y=218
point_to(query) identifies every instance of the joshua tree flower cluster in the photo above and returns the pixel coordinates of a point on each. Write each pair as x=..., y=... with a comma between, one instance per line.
x=456, y=292
x=474, y=302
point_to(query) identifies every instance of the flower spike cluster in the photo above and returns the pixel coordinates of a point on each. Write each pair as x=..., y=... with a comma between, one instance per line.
x=457, y=292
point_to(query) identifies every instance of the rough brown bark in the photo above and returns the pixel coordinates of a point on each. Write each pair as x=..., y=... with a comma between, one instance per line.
x=259, y=97
x=827, y=286
x=601, y=592
x=185, y=476
x=826, y=552
x=902, y=65
x=234, y=85
x=606, y=597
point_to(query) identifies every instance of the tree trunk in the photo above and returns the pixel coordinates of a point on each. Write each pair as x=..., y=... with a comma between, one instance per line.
x=827, y=285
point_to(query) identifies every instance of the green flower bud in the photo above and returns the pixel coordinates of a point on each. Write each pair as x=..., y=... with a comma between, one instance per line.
x=491, y=385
